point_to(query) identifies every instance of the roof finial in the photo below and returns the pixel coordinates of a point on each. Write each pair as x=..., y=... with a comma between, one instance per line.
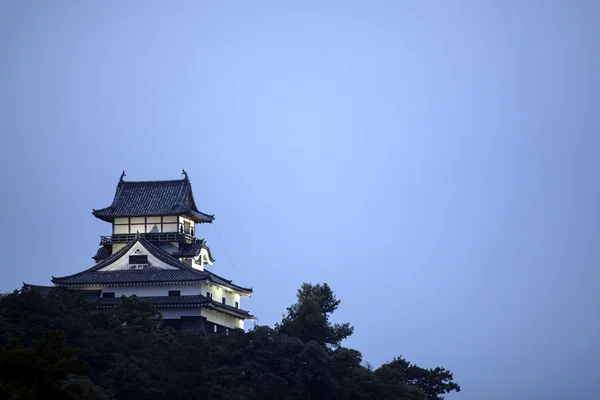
x=184, y=173
x=122, y=176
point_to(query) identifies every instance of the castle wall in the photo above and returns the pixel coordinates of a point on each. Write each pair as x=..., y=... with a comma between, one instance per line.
x=222, y=319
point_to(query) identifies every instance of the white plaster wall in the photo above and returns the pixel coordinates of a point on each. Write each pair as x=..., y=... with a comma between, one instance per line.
x=197, y=266
x=236, y=297
x=147, y=291
x=118, y=229
x=183, y=220
x=222, y=319
x=205, y=257
x=219, y=292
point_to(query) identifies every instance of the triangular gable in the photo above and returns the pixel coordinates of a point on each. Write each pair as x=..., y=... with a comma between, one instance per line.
x=156, y=256
x=138, y=249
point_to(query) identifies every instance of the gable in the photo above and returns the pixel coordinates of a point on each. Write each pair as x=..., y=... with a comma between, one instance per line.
x=134, y=259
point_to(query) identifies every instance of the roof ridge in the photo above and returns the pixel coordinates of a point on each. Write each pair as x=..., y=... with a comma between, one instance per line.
x=166, y=181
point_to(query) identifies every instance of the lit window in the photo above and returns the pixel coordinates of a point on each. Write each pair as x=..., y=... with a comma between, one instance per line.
x=215, y=328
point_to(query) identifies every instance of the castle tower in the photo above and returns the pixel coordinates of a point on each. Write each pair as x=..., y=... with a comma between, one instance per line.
x=153, y=252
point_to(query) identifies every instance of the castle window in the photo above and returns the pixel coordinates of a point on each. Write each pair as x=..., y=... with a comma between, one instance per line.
x=209, y=295
x=138, y=259
x=223, y=300
x=215, y=327
x=108, y=295
x=237, y=305
x=174, y=293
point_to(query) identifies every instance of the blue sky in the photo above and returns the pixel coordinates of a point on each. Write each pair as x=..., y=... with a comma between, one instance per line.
x=435, y=162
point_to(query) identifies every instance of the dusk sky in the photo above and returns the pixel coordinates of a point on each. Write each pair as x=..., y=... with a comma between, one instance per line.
x=437, y=163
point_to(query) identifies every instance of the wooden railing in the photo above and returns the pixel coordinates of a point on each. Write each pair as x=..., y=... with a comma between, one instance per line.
x=153, y=237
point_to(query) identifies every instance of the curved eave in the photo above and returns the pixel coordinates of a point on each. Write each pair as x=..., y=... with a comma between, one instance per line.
x=200, y=217
x=210, y=257
x=206, y=303
x=231, y=311
x=217, y=280
x=103, y=216
x=179, y=254
x=58, y=282
x=108, y=215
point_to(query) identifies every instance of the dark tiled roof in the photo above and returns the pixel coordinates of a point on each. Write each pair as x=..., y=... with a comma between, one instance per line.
x=102, y=253
x=149, y=276
x=165, y=301
x=134, y=199
x=157, y=301
x=180, y=301
x=182, y=272
x=192, y=250
x=92, y=295
x=230, y=310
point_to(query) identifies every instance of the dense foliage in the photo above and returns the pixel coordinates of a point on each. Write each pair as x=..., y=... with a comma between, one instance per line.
x=56, y=346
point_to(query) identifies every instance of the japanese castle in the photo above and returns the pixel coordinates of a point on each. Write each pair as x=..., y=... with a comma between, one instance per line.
x=153, y=253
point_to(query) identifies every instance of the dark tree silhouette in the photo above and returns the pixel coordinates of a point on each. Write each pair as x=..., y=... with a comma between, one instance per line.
x=56, y=345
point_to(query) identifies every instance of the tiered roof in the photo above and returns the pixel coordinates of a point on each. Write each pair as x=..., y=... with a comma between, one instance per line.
x=153, y=198
x=95, y=296
x=182, y=273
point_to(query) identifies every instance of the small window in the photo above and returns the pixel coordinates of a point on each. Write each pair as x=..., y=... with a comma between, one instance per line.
x=138, y=259
x=223, y=300
x=173, y=293
x=209, y=295
x=108, y=295
x=215, y=326
x=237, y=305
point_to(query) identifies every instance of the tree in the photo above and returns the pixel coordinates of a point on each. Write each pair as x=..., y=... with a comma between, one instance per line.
x=138, y=314
x=433, y=382
x=57, y=345
x=308, y=318
x=47, y=370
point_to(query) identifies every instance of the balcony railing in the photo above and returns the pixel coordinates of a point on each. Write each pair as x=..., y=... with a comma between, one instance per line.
x=153, y=237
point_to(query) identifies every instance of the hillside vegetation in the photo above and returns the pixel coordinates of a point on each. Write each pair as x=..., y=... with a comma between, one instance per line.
x=57, y=346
